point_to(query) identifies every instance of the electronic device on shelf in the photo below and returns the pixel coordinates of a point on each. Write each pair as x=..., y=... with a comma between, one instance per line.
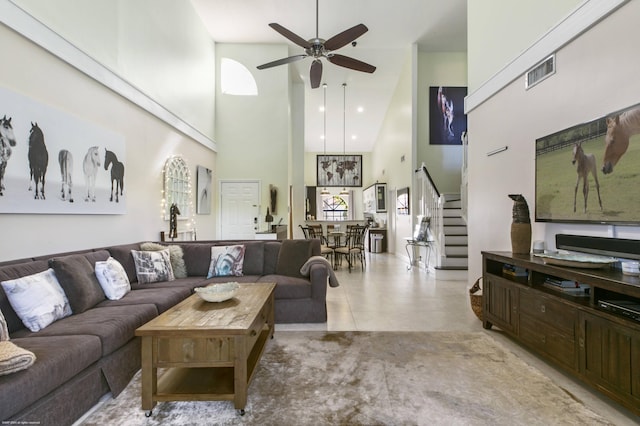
x=628, y=308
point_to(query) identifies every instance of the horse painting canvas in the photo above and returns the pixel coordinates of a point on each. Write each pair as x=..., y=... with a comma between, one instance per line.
x=38, y=161
x=7, y=140
x=90, y=166
x=117, y=173
x=65, y=159
x=619, y=129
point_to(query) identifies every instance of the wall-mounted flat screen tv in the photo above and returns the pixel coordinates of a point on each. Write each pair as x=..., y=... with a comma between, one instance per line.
x=590, y=172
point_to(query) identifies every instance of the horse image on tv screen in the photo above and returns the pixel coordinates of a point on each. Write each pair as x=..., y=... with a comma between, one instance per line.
x=570, y=159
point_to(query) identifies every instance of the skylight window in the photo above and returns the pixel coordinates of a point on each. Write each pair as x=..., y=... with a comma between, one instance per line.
x=236, y=79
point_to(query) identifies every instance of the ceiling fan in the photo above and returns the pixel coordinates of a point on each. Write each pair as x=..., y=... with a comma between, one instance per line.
x=318, y=48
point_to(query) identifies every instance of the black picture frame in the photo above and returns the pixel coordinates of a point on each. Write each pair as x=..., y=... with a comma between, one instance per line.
x=447, y=120
x=339, y=170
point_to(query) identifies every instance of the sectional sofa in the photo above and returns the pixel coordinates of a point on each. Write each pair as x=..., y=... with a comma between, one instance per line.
x=93, y=351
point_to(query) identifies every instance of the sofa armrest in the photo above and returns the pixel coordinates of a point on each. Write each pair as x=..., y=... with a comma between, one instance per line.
x=318, y=276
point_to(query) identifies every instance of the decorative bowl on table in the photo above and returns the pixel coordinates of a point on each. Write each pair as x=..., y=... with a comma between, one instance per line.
x=217, y=292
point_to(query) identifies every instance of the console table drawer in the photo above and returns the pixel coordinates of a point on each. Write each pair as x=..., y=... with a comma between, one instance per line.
x=549, y=340
x=557, y=314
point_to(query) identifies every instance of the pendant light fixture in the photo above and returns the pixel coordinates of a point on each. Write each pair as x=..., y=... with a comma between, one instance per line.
x=325, y=191
x=344, y=135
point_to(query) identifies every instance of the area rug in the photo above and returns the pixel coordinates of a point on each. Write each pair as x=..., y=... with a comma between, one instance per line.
x=375, y=378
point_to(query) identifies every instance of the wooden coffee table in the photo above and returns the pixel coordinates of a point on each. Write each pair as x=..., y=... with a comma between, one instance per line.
x=209, y=350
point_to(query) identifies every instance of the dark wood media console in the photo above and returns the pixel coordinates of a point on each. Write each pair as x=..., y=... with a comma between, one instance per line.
x=599, y=347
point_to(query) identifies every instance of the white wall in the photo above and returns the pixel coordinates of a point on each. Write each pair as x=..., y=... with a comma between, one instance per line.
x=152, y=44
x=253, y=132
x=596, y=74
x=499, y=30
x=149, y=142
x=396, y=141
x=444, y=162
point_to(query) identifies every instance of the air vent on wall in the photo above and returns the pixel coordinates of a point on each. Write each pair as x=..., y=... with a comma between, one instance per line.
x=541, y=71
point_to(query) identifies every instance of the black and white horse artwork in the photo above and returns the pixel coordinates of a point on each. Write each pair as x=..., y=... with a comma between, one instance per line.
x=65, y=159
x=38, y=160
x=90, y=166
x=117, y=173
x=7, y=140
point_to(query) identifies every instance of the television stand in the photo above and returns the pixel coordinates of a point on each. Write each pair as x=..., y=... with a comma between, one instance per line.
x=597, y=345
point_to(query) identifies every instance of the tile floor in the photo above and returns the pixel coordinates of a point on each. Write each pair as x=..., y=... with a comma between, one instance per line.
x=388, y=297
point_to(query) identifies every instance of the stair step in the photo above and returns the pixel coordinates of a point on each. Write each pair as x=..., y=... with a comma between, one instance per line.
x=453, y=221
x=447, y=274
x=459, y=250
x=455, y=239
x=452, y=261
x=452, y=212
x=453, y=204
x=455, y=230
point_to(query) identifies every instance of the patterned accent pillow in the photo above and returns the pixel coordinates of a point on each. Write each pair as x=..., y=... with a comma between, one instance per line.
x=37, y=299
x=226, y=261
x=153, y=266
x=176, y=255
x=4, y=331
x=112, y=278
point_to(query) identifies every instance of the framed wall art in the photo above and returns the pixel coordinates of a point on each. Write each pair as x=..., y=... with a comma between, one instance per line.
x=339, y=170
x=55, y=163
x=447, y=120
x=203, y=184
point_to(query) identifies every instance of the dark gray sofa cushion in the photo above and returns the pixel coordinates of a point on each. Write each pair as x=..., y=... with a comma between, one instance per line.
x=163, y=297
x=122, y=254
x=97, y=256
x=114, y=325
x=289, y=287
x=78, y=280
x=293, y=254
x=58, y=359
x=197, y=258
x=253, y=258
x=11, y=272
x=271, y=250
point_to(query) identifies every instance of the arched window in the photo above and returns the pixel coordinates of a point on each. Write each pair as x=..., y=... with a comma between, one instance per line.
x=236, y=79
x=177, y=187
x=335, y=207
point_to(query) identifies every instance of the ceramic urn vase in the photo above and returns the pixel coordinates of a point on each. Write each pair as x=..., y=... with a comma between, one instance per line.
x=520, y=226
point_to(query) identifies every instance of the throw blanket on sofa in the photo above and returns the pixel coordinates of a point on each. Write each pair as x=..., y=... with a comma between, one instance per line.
x=319, y=260
x=14, y=358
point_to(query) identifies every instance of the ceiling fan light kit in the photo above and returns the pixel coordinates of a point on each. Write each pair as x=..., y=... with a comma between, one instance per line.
x=318, y=48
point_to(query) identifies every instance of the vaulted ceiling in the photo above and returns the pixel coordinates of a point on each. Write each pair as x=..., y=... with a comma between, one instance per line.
x=435, y=26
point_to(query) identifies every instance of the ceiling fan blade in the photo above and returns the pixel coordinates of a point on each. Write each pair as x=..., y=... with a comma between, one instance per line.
x=290, y=35
x=316, y=73
x=347, y=62
x=345, y=37
x=281, y=61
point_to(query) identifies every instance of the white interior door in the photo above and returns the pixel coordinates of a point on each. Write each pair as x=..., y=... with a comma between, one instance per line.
x=239, y=209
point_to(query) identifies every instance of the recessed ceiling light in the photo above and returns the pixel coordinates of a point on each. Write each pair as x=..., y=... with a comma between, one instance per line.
x=321, y=108
x=360, y=109
x=354, y=137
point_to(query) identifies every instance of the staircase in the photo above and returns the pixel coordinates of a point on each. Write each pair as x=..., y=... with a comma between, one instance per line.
x=454, y=254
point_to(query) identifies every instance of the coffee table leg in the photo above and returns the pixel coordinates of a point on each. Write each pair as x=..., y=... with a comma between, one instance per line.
x=149, y=375
x=240, y=374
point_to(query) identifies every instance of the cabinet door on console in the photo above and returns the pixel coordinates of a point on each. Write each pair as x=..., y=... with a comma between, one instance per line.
x=610, y=357
x=500, y=303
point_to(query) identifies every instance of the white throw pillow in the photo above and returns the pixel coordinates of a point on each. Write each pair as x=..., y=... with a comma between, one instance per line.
x=153, y=266
x=38, y=299
x=226, y=261
x=112, y=278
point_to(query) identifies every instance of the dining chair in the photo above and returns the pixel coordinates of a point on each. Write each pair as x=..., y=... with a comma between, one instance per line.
x=354, y=248
x=325, y=250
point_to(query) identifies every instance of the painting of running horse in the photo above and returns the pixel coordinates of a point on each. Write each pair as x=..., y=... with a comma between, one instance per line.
x=42, y=147
x=117, y=173
x=7, y=140
x=619, y=129
x=38, y=161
